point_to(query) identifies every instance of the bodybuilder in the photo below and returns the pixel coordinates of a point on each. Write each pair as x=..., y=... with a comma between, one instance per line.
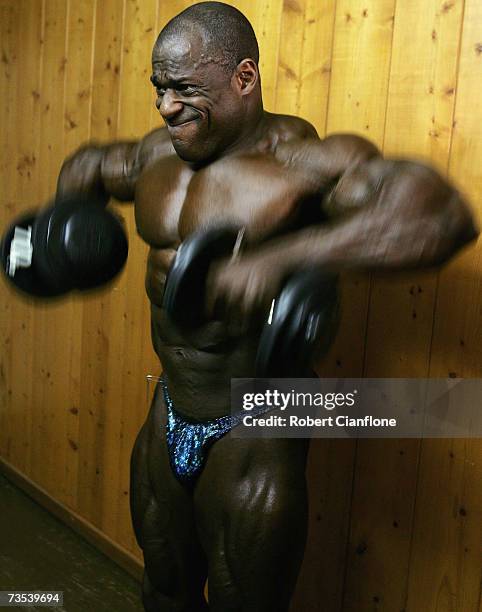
x=239, y=517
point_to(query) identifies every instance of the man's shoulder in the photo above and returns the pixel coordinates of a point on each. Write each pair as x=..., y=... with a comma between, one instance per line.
x=291, y=127
x=153, y=146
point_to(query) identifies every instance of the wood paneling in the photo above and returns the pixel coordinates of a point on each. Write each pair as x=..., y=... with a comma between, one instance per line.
x=394, y=525
x=418, y=120
x=99, y=449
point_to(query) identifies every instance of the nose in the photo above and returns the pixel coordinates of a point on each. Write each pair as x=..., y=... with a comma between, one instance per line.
x=168, y=105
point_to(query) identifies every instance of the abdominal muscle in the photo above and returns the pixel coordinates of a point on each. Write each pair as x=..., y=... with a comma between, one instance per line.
x=197, y=364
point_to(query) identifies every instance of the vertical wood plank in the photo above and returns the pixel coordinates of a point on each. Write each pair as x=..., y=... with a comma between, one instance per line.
x=316, y=63
x=9, y=31
x=303, y=86
x=329, y=474
x=50, y=376
x=138, y=39
x=304, y=64
x=457, y=333
x=418, y=123
x=24, y=155
x=102, y=340
x=445, y=568
x=265, y=18
x=357, y=104
x=358, y=91
x=445, y=571
x=288, y=82
x=78, y=94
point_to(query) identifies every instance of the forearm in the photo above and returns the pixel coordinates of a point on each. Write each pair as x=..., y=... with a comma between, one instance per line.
x=103, y=171
x=364, y=243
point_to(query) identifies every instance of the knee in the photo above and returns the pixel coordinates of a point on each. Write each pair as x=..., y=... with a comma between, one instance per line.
x=149, y=595
x=155, y=600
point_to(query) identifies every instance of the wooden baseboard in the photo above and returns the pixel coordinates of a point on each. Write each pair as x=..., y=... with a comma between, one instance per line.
x=92, y=534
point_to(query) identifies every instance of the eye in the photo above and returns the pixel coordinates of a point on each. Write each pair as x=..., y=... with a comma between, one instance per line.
x=187, y=90
x=160, y=91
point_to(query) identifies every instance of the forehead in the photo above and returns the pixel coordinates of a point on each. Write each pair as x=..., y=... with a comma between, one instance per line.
x=178, y=51
x=182, y=54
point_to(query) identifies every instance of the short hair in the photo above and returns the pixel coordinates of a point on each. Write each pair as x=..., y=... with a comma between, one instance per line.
x=228, y=35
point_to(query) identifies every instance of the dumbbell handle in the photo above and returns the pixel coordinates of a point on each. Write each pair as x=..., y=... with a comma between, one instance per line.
x=238, y=244
x=235, y=255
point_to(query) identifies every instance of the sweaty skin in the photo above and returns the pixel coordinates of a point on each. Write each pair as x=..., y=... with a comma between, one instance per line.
x=336, y=203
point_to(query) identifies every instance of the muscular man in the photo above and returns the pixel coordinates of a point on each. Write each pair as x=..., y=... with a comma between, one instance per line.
x=239, y=517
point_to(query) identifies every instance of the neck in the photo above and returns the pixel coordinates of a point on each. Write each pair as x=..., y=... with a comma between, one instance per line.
x=253, y=130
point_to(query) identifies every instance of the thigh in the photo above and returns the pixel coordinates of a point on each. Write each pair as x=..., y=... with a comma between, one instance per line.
x=163, y=520
x=251, y=508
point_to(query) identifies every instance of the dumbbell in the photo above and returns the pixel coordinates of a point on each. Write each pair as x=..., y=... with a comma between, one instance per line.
x=303, y=318
x=73, y=244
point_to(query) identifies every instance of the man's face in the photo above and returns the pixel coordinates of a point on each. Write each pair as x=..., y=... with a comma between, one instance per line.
x=196, y=97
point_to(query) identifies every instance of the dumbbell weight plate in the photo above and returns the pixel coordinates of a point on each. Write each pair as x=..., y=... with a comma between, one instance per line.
x=77, y=244
x=29, y=280
x=185, y=287
x=87, y=244
x=303, y=324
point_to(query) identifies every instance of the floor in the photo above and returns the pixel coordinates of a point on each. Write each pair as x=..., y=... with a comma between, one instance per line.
x=39, y=552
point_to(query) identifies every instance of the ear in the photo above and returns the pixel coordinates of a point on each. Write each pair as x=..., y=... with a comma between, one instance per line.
x=246, y=76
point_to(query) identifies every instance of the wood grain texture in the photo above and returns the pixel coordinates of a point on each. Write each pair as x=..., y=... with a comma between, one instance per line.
x=418, y=119
x=139, y=33
x=445, y=563
x=393, y=525
x=50, y=377
x=99, y=426
x=358, y=90
x=9, y=25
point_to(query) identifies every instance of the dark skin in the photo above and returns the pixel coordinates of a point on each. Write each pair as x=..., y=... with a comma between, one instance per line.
x=222, y=158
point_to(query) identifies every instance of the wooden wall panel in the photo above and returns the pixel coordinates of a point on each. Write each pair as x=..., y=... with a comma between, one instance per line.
x=445, y=562
x=72, y=373
x=362, y=30
x=78, y=108
x=52, y=321
x=136, y=92
x=307, y=61
x=419, y=112
x=24, y=174
x=9, y=25
x=98, y=411
x=357, y=103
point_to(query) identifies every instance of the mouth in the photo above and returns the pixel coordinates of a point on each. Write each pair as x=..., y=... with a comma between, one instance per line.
x=182, y=124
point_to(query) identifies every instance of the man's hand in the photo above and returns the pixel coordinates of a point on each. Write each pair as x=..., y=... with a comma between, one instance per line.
x=245, y=286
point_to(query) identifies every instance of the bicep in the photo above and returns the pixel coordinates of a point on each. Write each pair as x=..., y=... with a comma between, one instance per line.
x=120, y=169
x=111, y=170
x=100, y=170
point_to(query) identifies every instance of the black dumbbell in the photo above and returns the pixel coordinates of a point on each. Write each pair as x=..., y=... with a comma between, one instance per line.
x=303, y=319
x=74, y=244
x=301, y=326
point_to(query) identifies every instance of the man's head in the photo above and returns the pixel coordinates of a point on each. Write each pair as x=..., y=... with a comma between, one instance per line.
x=205, y=70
